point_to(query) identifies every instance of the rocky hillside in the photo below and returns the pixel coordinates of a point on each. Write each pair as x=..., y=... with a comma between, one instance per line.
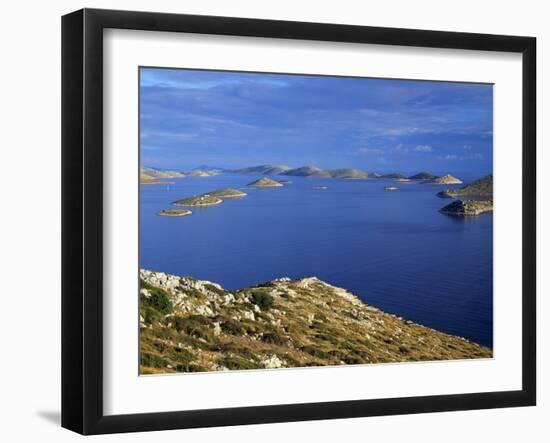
x=189, y=325
x=198, y=200
x=468, y=207
x=482, y=187
x=423, y=176
x=152, y=175
x=202, y=173
x=444, y=180
x=393, y=176
x=307, y=171
x=263, y=170
x=349, y=173
x=264, y=182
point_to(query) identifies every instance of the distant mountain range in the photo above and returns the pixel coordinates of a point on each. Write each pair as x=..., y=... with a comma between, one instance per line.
x=314, y=171
x=149, y=175
x=303, y=171
x=262, y=170
x=423, y=176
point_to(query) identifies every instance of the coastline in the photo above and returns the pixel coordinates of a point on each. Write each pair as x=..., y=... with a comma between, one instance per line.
x=279, y=323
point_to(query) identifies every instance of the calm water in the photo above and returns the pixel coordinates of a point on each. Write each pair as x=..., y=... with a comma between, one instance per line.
x=393, y=249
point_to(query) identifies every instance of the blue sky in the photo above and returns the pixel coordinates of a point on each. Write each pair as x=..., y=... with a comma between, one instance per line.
x=229, y=119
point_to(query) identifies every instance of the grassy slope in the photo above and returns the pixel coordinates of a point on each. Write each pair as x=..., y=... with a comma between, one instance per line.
x=481, y=187
x=189, y=325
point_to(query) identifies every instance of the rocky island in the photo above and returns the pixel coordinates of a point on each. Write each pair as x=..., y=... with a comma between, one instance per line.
x=482, y=187
x=174, y=212
x=198, y=200
x=393, y=176
x=263, y=170
x=423, y=176
x=152, y=176
x=348, y=173
x=227, y=193
x=264, y=182
x=444, y=180
x=467, y=207
x=202, y=173
x=189, y=325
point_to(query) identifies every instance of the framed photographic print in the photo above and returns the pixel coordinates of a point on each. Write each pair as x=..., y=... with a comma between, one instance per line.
x=269, y=221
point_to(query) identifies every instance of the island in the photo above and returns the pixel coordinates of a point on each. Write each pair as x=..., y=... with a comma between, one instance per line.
x=227, y=193
x=202, y=173
x=262, y=170
x=393, y=176
x=152, y=176
x=444, y=180
x=174, y=212
x=467, y=207
x=307, y=171
x=264, y=182
x=348, y=173
x=423, y=176
x=198, y=200
x=391, y=188
x=190, y=325
x=341, y=173
x=482, y=187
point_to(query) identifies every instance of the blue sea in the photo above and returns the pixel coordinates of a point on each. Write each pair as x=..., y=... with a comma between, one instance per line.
x=392, y=249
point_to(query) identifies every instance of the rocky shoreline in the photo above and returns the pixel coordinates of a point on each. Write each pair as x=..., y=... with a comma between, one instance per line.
x=190, y=325
x=174, y=212
x=467, y=207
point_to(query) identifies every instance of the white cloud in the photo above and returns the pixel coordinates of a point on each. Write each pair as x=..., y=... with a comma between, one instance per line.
x=370, y=151
x=170, y=135
x=475, y=156
x=401, y=149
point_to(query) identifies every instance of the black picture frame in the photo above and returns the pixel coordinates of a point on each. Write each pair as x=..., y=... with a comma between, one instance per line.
x=82, y=218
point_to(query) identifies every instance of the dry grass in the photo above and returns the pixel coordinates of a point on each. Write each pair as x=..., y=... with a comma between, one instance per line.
x=306, y=323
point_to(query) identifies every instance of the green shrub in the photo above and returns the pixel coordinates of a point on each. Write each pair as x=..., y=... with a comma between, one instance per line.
x=160, y=346
x=152, y=360
x=194, y=368
x=182, y=356
x=235, y=363
x=267, y=284
x=149, y=314
x=157, y=300
x=215, y=289
x=352, y=359
x=232, y=327
x=193, y=325
x=241, y=350
x=144, y=285
x=274, y=338
x=263, y=299
x=315, y=352
x=327, y=337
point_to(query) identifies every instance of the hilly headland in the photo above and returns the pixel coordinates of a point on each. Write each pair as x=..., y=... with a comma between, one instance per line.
x=190, y=325
x=482, y=187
